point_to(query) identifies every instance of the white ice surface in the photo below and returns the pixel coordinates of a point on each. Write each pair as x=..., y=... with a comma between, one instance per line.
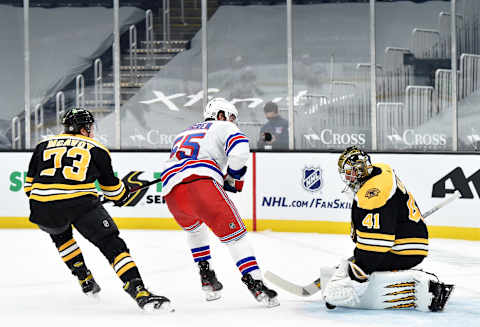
x=36, y=289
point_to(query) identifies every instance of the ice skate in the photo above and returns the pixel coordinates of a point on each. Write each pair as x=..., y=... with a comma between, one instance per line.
x=210, y=284
x=146, y=300
x=260, y=292
x=89, y=285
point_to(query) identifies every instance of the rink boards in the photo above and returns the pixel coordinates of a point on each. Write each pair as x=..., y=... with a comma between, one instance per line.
x=287, y=192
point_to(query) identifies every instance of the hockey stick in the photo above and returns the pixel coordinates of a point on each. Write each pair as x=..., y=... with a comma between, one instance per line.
x=315, y=286
x=455, y=196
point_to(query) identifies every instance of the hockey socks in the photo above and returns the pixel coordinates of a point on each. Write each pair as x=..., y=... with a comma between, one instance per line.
x=125, y=267
x=72, y=256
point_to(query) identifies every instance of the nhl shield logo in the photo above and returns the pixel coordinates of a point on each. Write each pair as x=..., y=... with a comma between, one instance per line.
x=312, y=179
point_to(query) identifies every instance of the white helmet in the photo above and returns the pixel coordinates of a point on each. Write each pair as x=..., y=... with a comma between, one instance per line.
x=216, y=105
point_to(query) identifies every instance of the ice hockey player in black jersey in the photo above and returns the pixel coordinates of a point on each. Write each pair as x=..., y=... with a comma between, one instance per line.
x=60, y=185
x=390, y=239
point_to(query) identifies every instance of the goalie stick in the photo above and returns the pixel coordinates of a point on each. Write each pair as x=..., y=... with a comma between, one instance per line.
x=315, y=286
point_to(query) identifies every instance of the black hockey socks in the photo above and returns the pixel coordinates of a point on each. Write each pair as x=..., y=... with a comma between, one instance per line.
x=73, y=258
x=125, y=267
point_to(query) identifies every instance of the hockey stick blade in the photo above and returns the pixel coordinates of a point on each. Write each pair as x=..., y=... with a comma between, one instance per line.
x=455, y=196
x=290, y=287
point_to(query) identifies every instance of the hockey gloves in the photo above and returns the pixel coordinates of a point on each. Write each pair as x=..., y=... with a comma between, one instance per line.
x=135, y=189
x=234, y=180
x=126, y=196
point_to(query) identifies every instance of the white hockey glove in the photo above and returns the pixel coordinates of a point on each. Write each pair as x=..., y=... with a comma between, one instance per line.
x=234, y=180
x=346, y=286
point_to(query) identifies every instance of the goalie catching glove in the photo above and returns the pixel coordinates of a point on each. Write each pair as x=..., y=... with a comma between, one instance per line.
x=233, y=181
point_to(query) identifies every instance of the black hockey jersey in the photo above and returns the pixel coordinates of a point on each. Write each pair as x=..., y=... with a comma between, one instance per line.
x=386, y=223
x=65, y=167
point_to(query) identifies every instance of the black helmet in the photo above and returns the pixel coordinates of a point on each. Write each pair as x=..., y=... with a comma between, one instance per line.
x=77, y=118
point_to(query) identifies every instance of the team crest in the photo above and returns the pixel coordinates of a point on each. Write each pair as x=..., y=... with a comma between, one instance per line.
x=372, y=193
x=312, y=179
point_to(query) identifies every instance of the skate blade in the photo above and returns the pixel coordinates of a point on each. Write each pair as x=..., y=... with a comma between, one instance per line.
x=93, y=296
x=156, y=307
x=212, y=295
x=269, y=302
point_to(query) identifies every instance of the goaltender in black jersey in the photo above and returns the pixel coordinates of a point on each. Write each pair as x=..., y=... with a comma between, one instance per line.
x=387, y=226
x=60, y=185
x=390, y=239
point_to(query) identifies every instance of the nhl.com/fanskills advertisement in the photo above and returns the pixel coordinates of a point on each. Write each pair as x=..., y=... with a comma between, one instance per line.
x=311, y=180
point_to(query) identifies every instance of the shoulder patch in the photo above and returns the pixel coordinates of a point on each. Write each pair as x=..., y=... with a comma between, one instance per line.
x=378, y=190
x=370, y=193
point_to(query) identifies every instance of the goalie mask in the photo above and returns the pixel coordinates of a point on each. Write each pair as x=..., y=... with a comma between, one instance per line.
x=218, y=106
x=77, y=118
x=354, y=167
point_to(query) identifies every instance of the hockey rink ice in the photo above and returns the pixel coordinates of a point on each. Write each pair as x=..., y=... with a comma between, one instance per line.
x=36, y=289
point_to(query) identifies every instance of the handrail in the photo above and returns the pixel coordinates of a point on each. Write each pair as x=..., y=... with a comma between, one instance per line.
x=38, y=121
x=16, y=136
x=59, y=105
x=80, y=91
x=149, y=37
x=98, y=80
x=166, y=23
x=132, y=40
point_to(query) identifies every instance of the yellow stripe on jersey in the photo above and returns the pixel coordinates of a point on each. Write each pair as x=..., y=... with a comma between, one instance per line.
x=373, y=248
x=411, y=240
x=111, y=188
x=47, y=198
x=411, y=252
x=376, y=236
x=28, y=179
x=41, y=186
x=378, y=189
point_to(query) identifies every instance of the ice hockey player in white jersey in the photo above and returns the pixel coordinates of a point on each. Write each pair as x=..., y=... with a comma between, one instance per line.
x=207, y=159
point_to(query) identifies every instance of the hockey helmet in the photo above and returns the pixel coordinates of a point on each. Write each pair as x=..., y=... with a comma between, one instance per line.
x=77, y=118
x=354, y=166
x=217, y=105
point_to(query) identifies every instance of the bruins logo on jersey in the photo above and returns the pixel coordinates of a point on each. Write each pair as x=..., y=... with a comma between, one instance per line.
x=372, y=193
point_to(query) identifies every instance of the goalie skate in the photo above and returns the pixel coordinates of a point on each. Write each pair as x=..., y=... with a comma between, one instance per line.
x=260, y=292
x=210, y=284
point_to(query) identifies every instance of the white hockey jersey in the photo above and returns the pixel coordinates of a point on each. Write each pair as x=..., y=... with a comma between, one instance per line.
x=205, y=149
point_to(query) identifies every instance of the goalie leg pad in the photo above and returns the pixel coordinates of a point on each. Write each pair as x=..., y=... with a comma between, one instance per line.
x=407, y=289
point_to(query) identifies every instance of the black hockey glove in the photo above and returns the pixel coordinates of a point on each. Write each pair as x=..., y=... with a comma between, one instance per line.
x=124, y=199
